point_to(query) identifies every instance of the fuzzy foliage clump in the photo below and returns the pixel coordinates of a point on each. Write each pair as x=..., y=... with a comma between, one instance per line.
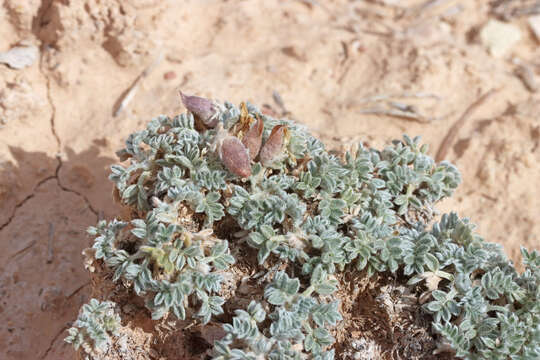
x=95, y=328
x=206, y=184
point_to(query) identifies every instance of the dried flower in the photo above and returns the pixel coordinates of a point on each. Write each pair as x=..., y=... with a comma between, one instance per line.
x=235, y=156
x=203, y=109
x=273, y=149
x=253, y=138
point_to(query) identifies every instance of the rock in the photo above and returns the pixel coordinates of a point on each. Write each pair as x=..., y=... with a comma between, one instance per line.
x=169, y=75
x=19, y=57
x=534, y=24
x=499, y=37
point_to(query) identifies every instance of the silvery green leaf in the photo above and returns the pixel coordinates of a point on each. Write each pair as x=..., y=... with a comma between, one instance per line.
x=282, y=289
x=326, y=314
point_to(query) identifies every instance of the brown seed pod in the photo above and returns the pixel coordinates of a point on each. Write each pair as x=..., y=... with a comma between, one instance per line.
x=235, y=156
x=203, y=109
x=273, y=148
x=253, y=138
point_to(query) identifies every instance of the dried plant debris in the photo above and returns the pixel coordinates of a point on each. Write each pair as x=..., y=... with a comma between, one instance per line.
x=534, y=25
x=249, y=221
x=508, y=9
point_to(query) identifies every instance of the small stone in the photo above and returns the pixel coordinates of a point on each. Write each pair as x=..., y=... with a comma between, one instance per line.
x=19, y=57
x=499, y=37
x=169, y=75
x=534, y=24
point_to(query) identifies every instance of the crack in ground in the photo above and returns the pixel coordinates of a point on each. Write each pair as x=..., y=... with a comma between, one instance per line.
x=65, y=327
x=38, y=185
x=55, y=134
x=23, y=201
x=66, y=189
x=15, y=210
x=53, y=341
x=77, y=290
x=60, y=163
x=49, y=99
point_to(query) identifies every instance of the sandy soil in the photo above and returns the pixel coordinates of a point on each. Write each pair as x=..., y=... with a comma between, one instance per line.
x=337, y=66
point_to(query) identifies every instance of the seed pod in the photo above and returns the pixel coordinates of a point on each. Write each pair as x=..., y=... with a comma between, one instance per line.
x=235, y=156
x=274, y=148
x=253, y=138
x=203, y=109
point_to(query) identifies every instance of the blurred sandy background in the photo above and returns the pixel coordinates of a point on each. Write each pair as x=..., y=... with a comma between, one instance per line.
x=350, y=70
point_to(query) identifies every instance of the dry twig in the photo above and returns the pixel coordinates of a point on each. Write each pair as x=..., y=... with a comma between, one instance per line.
x=402, y=114
x=508, y=9
x=404, y=95
x=312, y=3
x=129, y=94
x=398, y=109
x=453, y=132
x=526, y=75
x=18, y=252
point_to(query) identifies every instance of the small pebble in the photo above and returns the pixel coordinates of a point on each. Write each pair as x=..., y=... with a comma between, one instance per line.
x=499, y=37
x=19, y=57
x=169, y=75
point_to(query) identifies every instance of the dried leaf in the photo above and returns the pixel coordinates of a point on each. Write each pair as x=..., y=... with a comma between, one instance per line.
x=245, y=120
